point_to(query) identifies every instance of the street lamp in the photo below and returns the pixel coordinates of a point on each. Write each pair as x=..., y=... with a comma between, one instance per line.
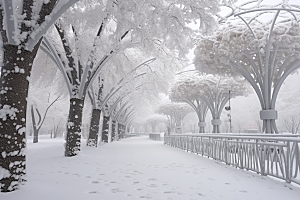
x=228, y=108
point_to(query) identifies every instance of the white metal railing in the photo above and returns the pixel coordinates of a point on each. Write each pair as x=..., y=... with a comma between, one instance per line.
x=267, y=154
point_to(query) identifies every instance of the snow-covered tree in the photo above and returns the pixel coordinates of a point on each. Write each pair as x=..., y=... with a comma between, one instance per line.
x=263, y=52
x=121, y=27
x=46, y=81
x=78, y=73
x=121, y=116
x=45, y=89
x=187, y=88
x=156, y=119
x=106, y=90
x=175, y=113
x=213, y=90
x=141, y=75
x=25, y=22
x=38, y=122
x=127, y=102
x=22, y=24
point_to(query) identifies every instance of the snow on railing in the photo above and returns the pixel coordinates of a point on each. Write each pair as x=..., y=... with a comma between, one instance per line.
x=276, y=155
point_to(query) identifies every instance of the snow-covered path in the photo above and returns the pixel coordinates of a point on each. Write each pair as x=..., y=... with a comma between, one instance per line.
x=139, y=168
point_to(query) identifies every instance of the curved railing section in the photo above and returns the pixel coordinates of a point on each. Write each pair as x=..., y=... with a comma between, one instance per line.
x=267, y=154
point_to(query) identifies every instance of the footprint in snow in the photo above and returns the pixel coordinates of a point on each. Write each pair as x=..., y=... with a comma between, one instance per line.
x=145, y=197
x=116, y=190
x=169, y=192
x=152, y=185
x=95, y=182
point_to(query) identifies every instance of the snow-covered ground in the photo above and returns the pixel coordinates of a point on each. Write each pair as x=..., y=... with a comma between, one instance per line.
x=138, y=168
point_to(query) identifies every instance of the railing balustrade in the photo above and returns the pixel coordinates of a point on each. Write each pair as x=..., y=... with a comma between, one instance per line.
x=276, y=155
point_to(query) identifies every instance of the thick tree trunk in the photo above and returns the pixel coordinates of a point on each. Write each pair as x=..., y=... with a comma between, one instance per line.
x=94, y=128
x=268, y=116
x=216, y=125
x=113, y=130
x=116, y=131
x=119, y=131
x=123, y=131
x=201, y=117
x=15, y=73
x=105, y=128
x=201, y=125
x=74, y=127
x=35, y=136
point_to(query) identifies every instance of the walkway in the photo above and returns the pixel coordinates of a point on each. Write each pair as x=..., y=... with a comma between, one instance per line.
x=139, y=168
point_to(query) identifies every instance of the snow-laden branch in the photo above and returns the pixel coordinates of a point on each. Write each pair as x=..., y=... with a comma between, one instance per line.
x=38, y=32
x=10, y=21
x=48, y=48
x=295, y=65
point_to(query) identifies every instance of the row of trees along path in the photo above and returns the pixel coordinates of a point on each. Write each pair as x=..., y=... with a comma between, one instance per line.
x=203, y=92
x=262, y=50
x=148, y=24
x=249, y=45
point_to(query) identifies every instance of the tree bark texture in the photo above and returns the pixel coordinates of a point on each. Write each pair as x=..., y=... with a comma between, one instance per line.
x=123, y=131
x=15, y=73
x=105, y=128
x=113, y=130
x=73, y=139
x=94, y=128
x=116, y=131
x=119, y=131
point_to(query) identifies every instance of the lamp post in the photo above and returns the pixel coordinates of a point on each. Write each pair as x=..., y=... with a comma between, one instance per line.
x=228, y=108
